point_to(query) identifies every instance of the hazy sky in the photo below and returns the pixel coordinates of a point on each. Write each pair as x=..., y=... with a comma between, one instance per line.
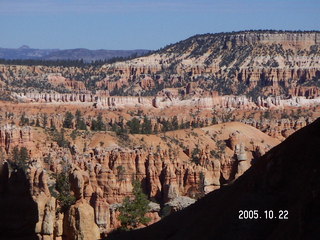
x=148, y=24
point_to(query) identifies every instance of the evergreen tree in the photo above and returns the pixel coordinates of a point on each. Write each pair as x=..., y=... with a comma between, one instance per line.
x=267, y=114
x=24, y=154
x=44, y=120
x=60, y=139
x=53, y=126
x=37, y=123
x=98, y=125
x=132, y=212
x=195, y=155
x=115, y=128
x=155, y=129
x=20, y=157
x=146, y=127
x=134, y=126
x=24, y=120
x=166, y=126
x=194, y=124
x=175, y=123
x=94, y=125
x=80, y=124
x=63, y=191
x=68, y=120
x=15, y=154
x=182, y=125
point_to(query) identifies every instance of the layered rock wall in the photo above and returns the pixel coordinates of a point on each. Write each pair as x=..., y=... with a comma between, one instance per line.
x=239, y=102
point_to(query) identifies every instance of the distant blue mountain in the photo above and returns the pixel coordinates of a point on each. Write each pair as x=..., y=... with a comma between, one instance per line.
x=25, y=52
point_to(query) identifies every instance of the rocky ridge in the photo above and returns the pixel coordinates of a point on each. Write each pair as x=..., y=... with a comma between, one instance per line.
x=240, y=62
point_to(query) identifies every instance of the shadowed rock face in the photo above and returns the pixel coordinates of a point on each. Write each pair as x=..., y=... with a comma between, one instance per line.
x=19, y=213
x=286, y=178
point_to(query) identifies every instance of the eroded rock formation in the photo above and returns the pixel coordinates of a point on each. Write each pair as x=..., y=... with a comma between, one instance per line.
x=101, y=178
x=230, y=102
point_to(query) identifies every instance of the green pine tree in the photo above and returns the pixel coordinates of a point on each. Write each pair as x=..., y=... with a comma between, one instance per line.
x=101, y=126
x=20, y=157
x=134, y=126
x=59, y=137
x=62, y=191
x=98, y=125
x=44, y=120
x=146, y=127
x=37, y=123
x=132, y=212
x=24, y=120
x=68, y=120
x=175, y=123
x=80, y=124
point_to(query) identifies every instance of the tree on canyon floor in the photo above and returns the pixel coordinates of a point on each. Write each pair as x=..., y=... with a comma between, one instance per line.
x=80, y=123
x=59, y=137
x=24, y=121
x=134, y=126
x=133, y=211
x=146, y=126
x=68, y=120
x=98, y=125
x=44, y=120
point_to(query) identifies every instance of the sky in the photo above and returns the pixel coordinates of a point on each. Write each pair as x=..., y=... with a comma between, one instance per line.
x=142, y=24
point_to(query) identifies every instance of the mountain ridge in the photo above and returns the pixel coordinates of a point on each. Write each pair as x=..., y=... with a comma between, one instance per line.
x=262, y=31
x=247, y=62
x=25, y=52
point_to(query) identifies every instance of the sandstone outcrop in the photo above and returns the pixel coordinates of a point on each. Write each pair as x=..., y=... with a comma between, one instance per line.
x=80, y=223
x=179, y=203
x=11, y=135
